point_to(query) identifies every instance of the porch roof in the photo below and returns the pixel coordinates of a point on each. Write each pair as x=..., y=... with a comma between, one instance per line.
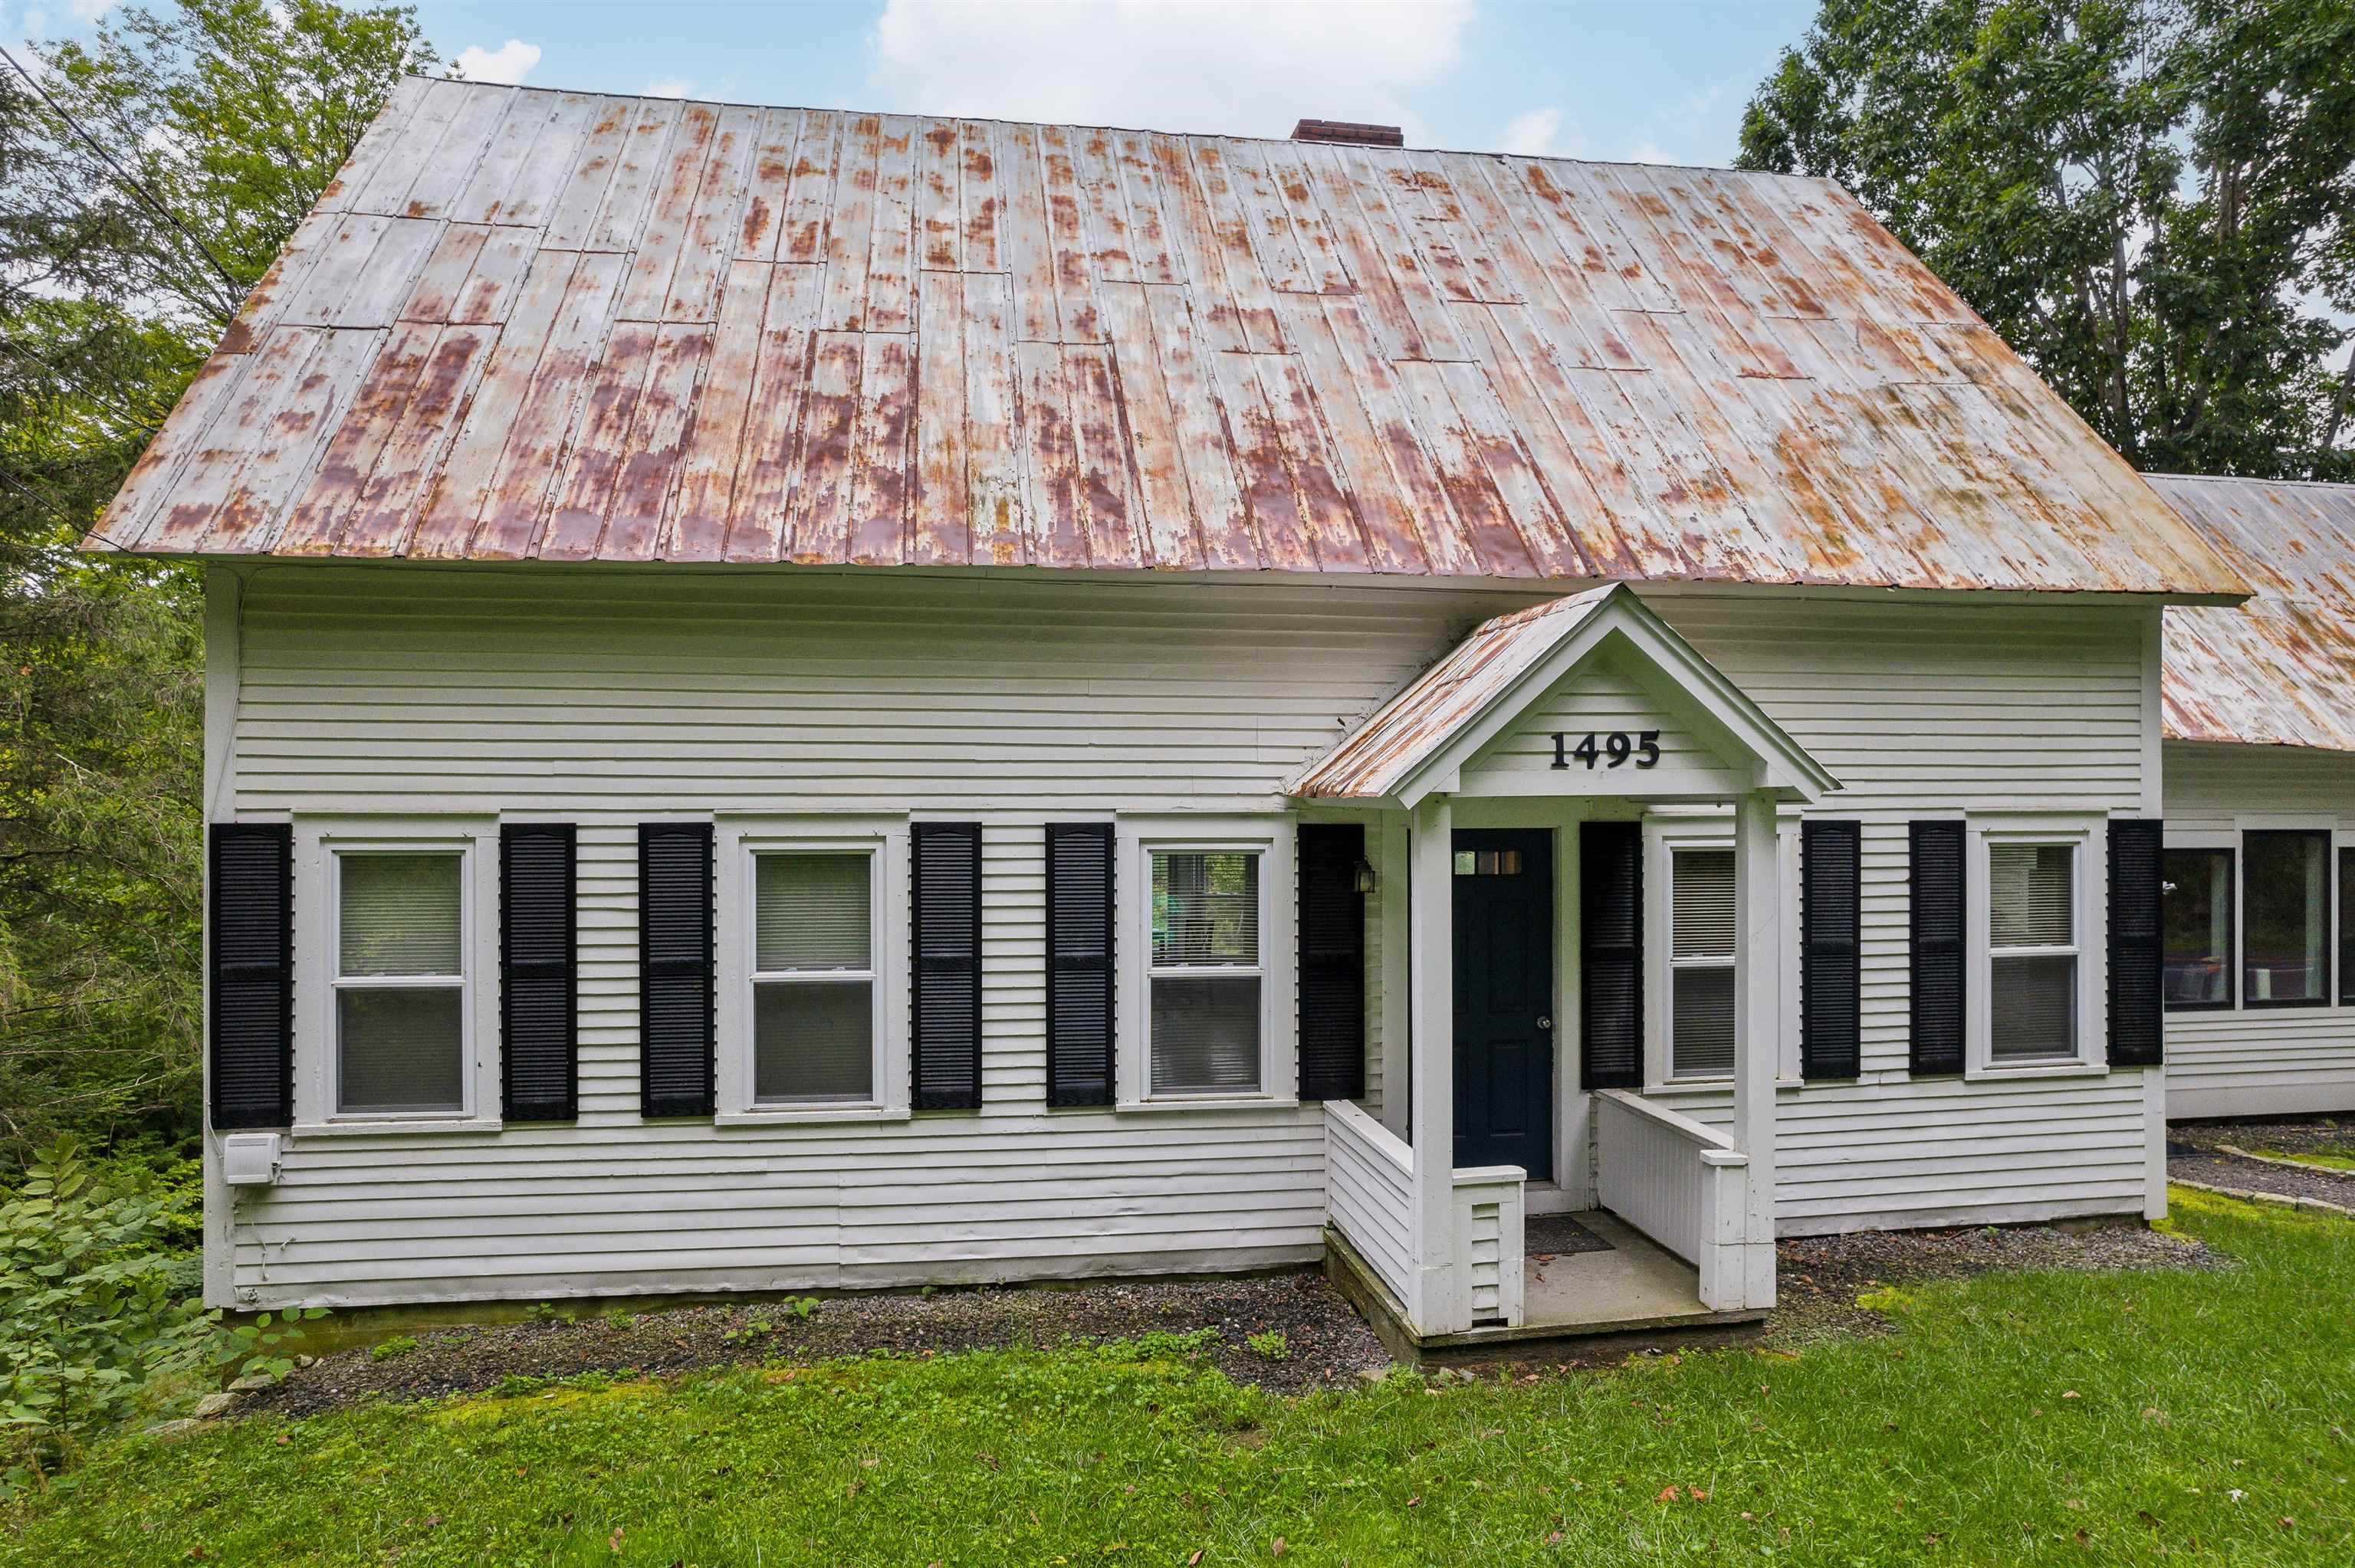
x=1415, y=743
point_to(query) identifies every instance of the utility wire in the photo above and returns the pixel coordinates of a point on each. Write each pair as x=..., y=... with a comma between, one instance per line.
x=237, y=291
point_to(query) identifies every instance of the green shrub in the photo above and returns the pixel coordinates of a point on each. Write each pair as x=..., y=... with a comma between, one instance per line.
x=1269, y=1346
x=392, y=1349
x=98, y=1299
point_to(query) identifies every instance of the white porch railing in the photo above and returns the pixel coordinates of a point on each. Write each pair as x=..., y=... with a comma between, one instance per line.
x=1488, y=1245
x=1684, y=1186
x=1370, y=1194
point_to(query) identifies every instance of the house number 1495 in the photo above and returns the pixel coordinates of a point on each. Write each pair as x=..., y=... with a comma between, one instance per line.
x=1608, y=750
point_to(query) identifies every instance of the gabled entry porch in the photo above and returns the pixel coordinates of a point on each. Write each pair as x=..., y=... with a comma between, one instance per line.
x=1506, y=794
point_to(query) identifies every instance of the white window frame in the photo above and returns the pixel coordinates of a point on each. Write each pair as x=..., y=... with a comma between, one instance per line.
x=736, y=894
x=2235, y=838
x=2088, y=836
x=1135, y=842
x=319, y=845
x=2214, y=839
x=1665, y=832
x=2334, y=838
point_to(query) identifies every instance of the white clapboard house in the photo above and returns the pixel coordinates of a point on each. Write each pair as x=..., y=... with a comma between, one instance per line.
x=804, y=700
x=2260, y=763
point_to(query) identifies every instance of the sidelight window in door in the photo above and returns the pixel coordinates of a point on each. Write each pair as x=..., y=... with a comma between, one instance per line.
x=1701, y=963
x=1205, y=973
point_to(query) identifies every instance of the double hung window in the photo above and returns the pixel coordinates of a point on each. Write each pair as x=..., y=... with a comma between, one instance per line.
x=1206, y=972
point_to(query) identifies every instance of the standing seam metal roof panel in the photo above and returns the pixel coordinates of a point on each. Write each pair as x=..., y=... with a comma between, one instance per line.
x=2280, y=669
x=523, y=323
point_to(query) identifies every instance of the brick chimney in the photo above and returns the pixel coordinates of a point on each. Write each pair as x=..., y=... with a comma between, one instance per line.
x=1350, y=134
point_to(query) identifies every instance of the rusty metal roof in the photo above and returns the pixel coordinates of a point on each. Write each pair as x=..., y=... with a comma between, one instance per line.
x=529, y=323
x=1465, y=698
x=2280, y=669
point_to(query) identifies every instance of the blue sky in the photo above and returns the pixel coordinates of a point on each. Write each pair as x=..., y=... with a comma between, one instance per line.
x=1603, y=78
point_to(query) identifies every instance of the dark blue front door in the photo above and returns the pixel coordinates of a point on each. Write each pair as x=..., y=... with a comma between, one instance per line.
x=1504, y=993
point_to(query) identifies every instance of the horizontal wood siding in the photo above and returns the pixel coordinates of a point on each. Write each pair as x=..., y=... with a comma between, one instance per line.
x=1927, y=712
x=607, y=697
x=2259, y=1061
x=1371, y=1192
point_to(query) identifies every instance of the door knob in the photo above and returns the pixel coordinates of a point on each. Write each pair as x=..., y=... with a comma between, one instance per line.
x=1545, y=1021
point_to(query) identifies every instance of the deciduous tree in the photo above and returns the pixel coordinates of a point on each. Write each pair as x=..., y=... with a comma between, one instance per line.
x=2154, y=200
x=215, y=125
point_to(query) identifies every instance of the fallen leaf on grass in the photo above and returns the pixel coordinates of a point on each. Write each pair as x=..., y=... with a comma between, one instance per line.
x=1197, y=1557
x=1670, y=1494
x=1277, y=1550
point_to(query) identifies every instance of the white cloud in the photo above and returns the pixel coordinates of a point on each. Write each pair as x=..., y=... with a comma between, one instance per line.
x=89, y=10
x=1542, y=134
x=1650, y=151
x=1243, y=66
x=510, y=62
x=669, y=87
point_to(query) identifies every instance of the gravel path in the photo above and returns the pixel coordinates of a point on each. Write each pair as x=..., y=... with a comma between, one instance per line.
x=2262, y=1176
x=2321, y=1135
x=2199, y=1151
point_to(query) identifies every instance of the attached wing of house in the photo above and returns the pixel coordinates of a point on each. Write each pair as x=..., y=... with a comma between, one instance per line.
x=559, y=326
x=2260, y=764
x=2278, y=669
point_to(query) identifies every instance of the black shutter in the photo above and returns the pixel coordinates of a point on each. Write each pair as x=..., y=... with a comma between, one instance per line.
x=1830, y=879
x=1937, y=927
x=675, y=992
x=1332, y=963
x=2138, y=1028
x=945, y=993
x=252, y=975
x=1079, y=963
x=537, y=973
x=1611, y=944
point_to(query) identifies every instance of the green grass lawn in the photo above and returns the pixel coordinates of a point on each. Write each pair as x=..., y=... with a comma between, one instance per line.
x=2019, y=1419
x=2312, y=1157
